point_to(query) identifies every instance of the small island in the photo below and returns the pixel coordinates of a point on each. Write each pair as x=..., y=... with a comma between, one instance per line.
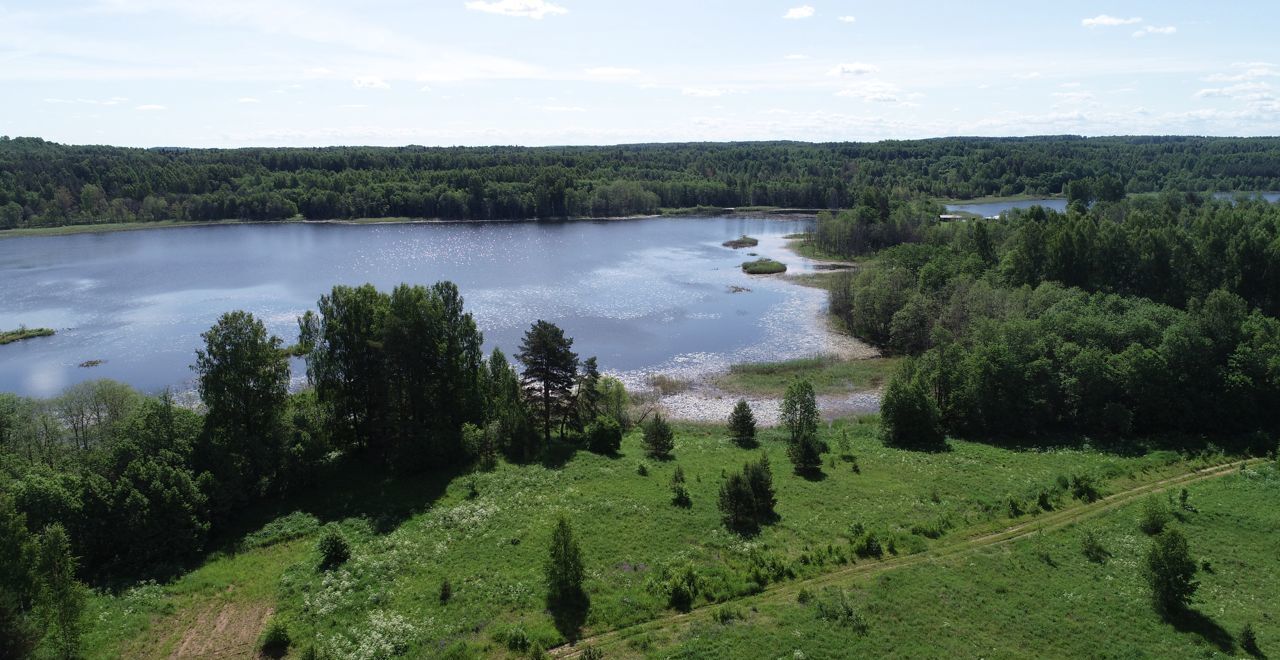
x=742, y=242
x=23, y=332
x=763, y=266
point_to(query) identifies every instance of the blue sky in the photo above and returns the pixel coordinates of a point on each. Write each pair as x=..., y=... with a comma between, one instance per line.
x=537, y=72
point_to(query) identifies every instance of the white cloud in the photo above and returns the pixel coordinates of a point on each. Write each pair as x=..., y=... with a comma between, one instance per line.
x=1155, y=29
x=853, y=69
x=1074, y=97
x=612, y=72
x=1245, y=91
x=1104, y=20
x=803, y=11
x=370, y=82
x=149, y=107
x=1029, y=75
x=535, y=9
x=354, y=105
x=846, y=19
x=1252, y=70
x=561, y=108
x=247, y=99
x=702, y=92
x=795, y=56
x=877, y=91
x=115, y=100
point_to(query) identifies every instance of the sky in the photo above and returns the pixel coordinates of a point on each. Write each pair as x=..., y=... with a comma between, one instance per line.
x=233, y=73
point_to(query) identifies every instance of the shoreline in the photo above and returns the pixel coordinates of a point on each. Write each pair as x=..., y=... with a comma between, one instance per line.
x=107, y=228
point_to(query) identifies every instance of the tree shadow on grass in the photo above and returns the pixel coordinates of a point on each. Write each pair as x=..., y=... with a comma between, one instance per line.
x=570, y=617
x=1195, y=621
x=814, y=475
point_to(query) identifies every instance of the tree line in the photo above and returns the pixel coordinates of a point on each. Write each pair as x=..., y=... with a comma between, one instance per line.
x=48, y=184
x=1148, y=316
x=114, y=486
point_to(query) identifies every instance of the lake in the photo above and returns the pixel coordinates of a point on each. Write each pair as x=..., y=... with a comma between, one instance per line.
x=989, y=209
x=646, y=295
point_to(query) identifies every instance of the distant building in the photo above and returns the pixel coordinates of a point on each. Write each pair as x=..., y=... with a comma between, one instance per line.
x=948, y=217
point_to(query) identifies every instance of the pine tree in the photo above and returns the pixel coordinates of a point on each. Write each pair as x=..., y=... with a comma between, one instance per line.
x=679, y=494
x=564, y=568
x=550, y=370
x=659, y=439
x=742, y=424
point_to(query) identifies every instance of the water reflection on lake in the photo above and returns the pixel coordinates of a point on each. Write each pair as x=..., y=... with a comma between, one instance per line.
x=989, y=209
x=640, y=294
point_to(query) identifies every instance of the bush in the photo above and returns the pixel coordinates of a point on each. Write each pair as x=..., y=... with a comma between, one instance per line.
x=1171, y=572
x=591, y=653
x=659, y=439
x=1155, y=516
x=1084, y=487
x=763, y=266
x=833, y=606
x=742, y=424
x=682, y=588
x=805, y=453
x=737, y=504
x=868, y=545
x=274, y=641
x=564, y=568
x=604, y=436
x=726, y=614
x=1092, y=548
x=446, y=591
x=679, y=494
x=334, y=548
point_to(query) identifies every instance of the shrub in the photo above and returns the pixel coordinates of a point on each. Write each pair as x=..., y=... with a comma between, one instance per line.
x=642, y=470
x=1171, y=572
x=737, y=504
x=805, y=453
x=679, y=494
x=592, y=653
x=659, y=439
x=274, y=641
x=833, y=606
x=726, y=614
x=760, y=479
x=742, y=424
x=334, y=548
x=604, y=436
x=868, y=545
x=1084, y=487
x=446, y=591
x=804, y=596
x=683, y=588
x=1092, y=548
x=1155, y=516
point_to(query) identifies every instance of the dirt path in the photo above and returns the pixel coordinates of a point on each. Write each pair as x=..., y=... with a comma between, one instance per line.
x=1044, y=522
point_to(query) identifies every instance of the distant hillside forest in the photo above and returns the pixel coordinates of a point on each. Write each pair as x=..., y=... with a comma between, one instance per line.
x=48, y=184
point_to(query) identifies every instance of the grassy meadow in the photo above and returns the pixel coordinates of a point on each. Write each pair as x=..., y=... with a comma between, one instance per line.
x=486, y=535
x=829, y=375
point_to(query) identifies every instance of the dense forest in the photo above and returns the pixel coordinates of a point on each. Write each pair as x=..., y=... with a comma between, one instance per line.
x=1152, y=315
x=48, y=184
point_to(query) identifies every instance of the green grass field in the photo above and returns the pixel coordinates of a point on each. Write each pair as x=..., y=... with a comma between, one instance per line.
x=829, y=375
x=489, y=541
x=1038, y=596
x=10, y=336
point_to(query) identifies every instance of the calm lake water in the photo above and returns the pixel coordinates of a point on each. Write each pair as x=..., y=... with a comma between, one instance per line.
x=996, y=208
x=642, y=295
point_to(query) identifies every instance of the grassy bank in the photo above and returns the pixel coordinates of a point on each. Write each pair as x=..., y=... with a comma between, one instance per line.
x=829, y=375
x=486, y=534
x=10, y=336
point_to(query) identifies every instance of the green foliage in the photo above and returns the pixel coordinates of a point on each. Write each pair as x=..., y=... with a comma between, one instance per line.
x=834, y=606
x=23, y=332
x=446, y=591
x=18, y=582
x=244, y=384
x=683, y=587
x=742, y=424
x=60, y=599
x=614, y=401
x=1155, y=515
x=285, y=528
x=550, y=370
x=274, y=641
x=659, y=439
x=909, y=417
x=799, y=411
x=679, y=493
x=747, y=498
x=334, y=548
x=564, y=569
x=1171, y=572
x=604, y=435
x=1092, y=547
